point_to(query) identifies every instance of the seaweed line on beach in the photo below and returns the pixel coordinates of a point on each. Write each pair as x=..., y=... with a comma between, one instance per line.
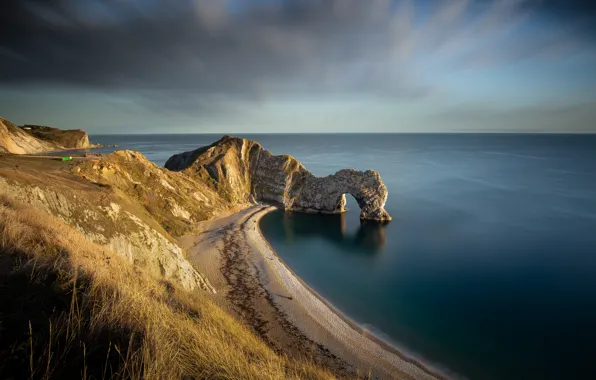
x=257, y=307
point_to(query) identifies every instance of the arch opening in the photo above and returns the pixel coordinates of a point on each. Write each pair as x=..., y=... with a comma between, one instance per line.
x=345, y=204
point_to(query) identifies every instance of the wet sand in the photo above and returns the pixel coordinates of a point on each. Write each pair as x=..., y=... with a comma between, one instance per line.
x=253, y=283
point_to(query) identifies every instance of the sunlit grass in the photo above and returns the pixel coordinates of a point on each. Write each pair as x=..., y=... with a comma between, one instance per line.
x=73, y=309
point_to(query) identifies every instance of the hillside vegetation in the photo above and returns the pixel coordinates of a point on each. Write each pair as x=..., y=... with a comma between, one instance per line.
x=93, y=285
x=75, y=309
x=103, y=213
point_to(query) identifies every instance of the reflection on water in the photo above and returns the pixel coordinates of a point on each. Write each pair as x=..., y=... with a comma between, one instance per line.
x=294, y=226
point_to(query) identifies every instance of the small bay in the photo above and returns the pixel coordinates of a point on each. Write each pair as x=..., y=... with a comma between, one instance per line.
x=488, y=268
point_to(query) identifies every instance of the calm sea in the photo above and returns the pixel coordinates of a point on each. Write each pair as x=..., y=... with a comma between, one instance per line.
x=489, y=265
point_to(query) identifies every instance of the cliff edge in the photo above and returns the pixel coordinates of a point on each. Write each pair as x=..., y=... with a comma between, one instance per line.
x=70, y=139
x=31, y=139
x=241, y=170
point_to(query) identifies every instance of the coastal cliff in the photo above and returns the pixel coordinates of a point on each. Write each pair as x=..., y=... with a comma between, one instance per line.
x=242, y=170
x=136, y=208
x=95, y=245
x=95, y=282
x=73, y=308
x=103, y=213
x=31, y=139
x=68, y=139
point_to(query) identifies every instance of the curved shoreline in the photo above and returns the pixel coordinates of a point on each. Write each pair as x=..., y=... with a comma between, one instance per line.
x=352, y=323
x=256, y=285
x=384, y=350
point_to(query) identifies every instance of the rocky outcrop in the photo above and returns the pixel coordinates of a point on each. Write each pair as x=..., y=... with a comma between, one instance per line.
x=16, y=140
x=242, y=170
x=66, y=139
x=105, y=214
x=175, y=200
x=31, y=139
x=328, y=194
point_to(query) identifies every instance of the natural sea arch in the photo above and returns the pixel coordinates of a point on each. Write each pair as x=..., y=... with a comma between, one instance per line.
x=328, y=194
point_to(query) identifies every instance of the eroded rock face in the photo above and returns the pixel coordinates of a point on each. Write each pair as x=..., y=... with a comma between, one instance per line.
x=328, y=194
x=31, y=139
x=113, y=221
x=175, y=200
x=242, y=170
x=66, y=139
x=17, y=141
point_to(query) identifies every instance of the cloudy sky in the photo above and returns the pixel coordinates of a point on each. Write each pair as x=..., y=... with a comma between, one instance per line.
x=237, y=66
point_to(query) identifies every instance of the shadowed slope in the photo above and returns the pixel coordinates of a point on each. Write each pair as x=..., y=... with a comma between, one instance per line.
x=74, y=309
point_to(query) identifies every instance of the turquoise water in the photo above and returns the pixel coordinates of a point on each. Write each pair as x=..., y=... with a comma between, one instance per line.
x=489, y=266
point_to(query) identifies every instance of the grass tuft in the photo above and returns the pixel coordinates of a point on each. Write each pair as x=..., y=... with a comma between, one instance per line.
x=73, y=309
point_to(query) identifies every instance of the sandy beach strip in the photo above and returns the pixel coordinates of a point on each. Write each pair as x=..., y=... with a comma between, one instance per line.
x=255, y=284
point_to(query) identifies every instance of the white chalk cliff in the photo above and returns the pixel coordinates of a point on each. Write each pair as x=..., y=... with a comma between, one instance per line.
x=32, y=139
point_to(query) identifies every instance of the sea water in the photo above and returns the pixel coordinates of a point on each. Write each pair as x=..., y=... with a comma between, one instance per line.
x=489, y=265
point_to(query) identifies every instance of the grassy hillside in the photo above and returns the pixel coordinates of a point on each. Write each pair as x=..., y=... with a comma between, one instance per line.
x=103, y=213
x=74, y=309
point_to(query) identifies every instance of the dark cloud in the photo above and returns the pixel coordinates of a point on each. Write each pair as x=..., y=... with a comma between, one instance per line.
x=197, y=52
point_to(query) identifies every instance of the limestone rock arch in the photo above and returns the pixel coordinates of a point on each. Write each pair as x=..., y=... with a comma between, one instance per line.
x=328, y=194
x=243, y=171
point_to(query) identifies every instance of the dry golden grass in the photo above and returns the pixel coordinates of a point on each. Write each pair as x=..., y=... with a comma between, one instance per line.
x=73, y=309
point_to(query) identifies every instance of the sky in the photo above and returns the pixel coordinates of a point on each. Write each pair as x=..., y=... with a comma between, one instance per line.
x=299, y=66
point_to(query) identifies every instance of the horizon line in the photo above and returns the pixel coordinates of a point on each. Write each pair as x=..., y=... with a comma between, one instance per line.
x=351, y=133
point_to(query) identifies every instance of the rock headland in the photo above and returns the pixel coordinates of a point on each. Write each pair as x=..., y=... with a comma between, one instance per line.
x=242, y=170
x=32, y=139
